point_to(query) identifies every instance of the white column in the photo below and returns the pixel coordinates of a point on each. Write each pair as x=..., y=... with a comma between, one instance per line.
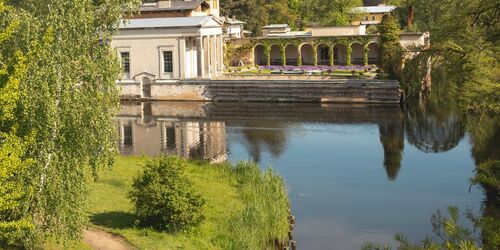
x=187, y=56
x=213, y=54
x=182, y=57
x=216, y=55
x=221, y=54
x=206, y=59
x=194, y=59
x=200, y=56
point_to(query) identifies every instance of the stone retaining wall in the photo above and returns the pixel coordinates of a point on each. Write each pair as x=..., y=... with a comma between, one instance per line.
x=285, y=90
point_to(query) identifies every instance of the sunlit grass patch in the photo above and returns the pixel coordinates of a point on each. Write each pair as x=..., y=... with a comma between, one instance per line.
x=245, y=208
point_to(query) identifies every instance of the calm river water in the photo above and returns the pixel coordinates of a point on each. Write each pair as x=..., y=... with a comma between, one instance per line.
x=355, y=173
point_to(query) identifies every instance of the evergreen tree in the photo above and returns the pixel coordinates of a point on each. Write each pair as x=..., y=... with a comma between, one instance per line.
x=390, y=47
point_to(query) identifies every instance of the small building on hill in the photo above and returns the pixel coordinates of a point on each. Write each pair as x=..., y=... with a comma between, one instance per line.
x=233, y=28
x=370, y=15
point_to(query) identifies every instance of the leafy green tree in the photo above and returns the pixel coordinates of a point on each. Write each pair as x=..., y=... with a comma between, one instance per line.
x=58, y=73
x=328, y=13
x=297, y=14
x=253, y=12
x=164, y=196
x=390, y=47
x=281, y=11
x=465, y=45
x=15, y=227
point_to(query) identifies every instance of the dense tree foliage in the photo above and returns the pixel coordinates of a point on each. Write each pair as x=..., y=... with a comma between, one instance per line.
x=58, y=97
x=329, y=13
x=296, y=13
x=464, y=45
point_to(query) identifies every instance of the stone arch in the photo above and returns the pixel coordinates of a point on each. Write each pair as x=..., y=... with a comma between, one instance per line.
x=292, y=55
x=276, y=55
x=323, y=54
x=357, y=53
x=259, y=54
x=306, y=50
x=339, y=54
x=373, y=53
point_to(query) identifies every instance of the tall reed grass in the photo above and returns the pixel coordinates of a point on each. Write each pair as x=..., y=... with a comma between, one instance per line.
x=263, y=221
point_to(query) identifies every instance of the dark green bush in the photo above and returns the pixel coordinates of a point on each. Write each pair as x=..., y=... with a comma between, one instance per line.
x=165, y=198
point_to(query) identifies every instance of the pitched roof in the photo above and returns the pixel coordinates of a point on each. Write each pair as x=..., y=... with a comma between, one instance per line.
x=167, y=22
x=372, y=2
x=375, y=9
x=275, y=26
x=290, y=34
x=175, y=5
x=230, y=20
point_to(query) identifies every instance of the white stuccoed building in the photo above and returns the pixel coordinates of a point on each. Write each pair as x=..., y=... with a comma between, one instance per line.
x=169, y=41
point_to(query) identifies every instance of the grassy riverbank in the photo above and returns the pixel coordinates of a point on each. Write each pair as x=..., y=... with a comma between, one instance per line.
x=245, y=208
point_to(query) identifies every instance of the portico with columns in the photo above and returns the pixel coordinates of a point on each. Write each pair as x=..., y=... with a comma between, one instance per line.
x=169, y=41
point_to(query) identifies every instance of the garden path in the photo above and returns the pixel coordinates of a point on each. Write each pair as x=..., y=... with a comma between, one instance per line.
x=100, y=240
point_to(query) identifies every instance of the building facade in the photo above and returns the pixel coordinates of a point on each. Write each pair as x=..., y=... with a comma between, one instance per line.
x=233, y=28
x=370, y=15
x=328, y=46
x=169, y=41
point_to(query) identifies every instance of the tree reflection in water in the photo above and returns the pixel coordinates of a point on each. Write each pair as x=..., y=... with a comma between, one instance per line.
x=485, y=140
x=392, y=139
x=262, y=135
x=433, y=127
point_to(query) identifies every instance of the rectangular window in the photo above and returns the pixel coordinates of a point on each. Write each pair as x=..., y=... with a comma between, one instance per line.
x=373, y=18
x=125, y=57
x=168, y=63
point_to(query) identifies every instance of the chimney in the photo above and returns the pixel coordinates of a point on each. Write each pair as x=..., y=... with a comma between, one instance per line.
x=164, y=3
x=234, y=17
x=410, y=16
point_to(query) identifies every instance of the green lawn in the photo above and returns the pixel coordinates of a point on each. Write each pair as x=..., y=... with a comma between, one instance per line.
x=230, y=194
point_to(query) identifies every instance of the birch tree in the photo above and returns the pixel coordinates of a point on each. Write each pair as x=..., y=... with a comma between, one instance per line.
x=63, y=100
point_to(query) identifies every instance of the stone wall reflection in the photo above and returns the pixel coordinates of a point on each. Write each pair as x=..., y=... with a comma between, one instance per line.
x=142, y=131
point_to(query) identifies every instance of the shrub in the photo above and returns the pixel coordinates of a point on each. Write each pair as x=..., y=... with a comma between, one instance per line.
x=165, y=198
x=371, y=29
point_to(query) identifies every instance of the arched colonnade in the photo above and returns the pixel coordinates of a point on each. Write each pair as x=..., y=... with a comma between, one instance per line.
x=320, y=53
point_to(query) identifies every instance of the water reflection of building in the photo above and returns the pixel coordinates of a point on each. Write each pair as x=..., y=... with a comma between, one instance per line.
x=198, y=129
x=155, y=135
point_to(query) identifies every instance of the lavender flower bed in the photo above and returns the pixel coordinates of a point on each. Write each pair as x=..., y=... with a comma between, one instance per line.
x=321, y=68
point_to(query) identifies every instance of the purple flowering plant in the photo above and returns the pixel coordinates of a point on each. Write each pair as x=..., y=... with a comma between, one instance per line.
x=319, y=67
